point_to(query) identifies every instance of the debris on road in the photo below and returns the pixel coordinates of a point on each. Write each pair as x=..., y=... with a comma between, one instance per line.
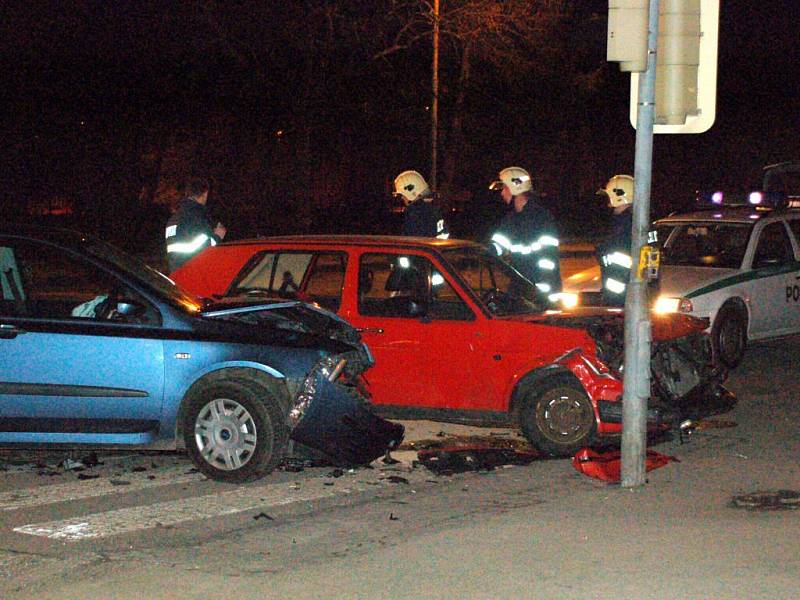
x=69, y=464
x=768, y=501
x=461, y=441
x=451, y=460
x=395, y=479
x=606, y=466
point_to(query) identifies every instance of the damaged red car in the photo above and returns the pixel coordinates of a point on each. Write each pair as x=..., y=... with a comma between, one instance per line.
x=458, y=336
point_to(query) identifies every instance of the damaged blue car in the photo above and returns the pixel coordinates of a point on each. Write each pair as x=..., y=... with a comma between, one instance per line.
x=98, y=349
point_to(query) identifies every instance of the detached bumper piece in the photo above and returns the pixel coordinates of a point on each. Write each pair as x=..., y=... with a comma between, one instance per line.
x=342, y=426
x=611, y=412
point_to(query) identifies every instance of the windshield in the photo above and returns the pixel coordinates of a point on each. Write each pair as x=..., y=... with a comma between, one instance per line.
x=142, y=272
x=500, y=288
x=716, y=245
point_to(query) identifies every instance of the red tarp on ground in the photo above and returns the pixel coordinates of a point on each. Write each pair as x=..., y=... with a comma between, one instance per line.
x=606, y=466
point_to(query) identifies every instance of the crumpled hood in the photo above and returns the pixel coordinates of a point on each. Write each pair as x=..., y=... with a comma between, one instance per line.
x=612, y=321
x=677, y=282
x=292, y=315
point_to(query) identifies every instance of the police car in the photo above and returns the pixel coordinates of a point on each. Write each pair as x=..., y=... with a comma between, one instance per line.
x=735, y=261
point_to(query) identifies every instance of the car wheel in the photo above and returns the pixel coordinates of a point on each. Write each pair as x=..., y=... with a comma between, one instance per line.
x=234, y=430
x=729, y=336
x=557, y=416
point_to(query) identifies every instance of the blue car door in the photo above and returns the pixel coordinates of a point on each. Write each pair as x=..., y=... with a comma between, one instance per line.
x=72, y=367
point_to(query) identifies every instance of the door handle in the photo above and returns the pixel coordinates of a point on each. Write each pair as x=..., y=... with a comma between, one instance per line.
x=9, y=332
x=370, y=330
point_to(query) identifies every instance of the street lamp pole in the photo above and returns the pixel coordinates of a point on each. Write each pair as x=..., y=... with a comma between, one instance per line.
x=636, y=378
x=435, y=93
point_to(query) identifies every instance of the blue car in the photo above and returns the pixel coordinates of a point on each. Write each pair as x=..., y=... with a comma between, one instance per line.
x=96, y=348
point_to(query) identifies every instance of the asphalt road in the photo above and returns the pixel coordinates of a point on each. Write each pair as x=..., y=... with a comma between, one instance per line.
x=148, y=527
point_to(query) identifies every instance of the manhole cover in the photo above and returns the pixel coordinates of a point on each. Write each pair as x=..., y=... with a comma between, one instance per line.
x=779, y=500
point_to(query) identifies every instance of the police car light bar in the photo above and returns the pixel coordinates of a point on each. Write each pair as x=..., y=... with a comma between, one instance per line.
x=756, y=198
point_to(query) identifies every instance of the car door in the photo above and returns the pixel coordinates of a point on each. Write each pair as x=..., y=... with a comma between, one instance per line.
x=775, y=272
x=428, y=344
x=792, y=295
x=72, y=369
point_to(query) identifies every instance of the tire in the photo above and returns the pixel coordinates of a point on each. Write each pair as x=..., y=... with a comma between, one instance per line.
x=558, y=417
x=729, y=336
x=234, y=429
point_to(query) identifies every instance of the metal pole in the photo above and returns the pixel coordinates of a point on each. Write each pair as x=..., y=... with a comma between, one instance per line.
x=435, y=102
x=636, y=380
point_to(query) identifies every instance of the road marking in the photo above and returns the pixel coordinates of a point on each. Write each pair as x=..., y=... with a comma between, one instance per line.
x=91, y=488
x=165, y=514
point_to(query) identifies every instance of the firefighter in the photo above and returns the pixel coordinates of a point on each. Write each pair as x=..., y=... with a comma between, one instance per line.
x=189, y=229
x=422, y=217
x=614, y=252
x=527, y=234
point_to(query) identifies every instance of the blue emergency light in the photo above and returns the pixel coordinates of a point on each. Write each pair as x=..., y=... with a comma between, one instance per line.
x=754, y=199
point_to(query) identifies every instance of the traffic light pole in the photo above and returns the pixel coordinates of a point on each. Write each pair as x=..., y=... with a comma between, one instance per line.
x=636, y=379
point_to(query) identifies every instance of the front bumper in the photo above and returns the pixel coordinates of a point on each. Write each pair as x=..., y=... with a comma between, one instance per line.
x=611, y=412
x=339, y=423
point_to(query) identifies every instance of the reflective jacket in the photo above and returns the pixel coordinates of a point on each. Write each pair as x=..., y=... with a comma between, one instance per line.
x=188, y=231
x=424, y=219
x=530, y=240
x=614, y=256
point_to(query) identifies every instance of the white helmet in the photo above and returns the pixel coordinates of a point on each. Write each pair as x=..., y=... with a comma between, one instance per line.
x=411, y=185
x=619, y=190
x=517, y=179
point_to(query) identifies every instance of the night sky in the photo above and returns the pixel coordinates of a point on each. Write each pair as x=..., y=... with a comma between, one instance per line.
x=107, y=105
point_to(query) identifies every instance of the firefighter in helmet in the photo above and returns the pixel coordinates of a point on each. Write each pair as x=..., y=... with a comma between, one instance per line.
x=614, y=252
x=527, y=234
x=422, y=217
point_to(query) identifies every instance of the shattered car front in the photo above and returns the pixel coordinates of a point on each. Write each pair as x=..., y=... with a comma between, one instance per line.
x=329, y=410
x=685, y=381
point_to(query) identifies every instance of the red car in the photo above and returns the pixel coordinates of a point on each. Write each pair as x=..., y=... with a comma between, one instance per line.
x=456, y=333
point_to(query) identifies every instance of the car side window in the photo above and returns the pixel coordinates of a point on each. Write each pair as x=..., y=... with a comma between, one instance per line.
x=325, y=280
x=43, y=282
x=392, y=285
x=774, y=247
x=794, y=225
x=310, y=276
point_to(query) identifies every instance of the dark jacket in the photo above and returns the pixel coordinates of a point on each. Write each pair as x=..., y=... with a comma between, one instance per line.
x=188, y=231
x=423, y=219
x=533, y=236
x=617, y=242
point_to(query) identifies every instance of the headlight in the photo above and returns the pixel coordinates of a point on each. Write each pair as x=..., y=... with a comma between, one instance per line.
x=665, y=304
x=567, y=299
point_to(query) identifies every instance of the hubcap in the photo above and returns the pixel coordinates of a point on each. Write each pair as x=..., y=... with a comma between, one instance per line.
x=563, y=417
x=225, y=434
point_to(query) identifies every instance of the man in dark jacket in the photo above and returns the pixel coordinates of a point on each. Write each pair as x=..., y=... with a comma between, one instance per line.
x=189, y=230
x=422, y=217
x=614, y=252
x=527, y=234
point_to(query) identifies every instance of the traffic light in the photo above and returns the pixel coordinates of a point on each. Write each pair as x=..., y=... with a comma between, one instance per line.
x=686, y=71
x=627, y=33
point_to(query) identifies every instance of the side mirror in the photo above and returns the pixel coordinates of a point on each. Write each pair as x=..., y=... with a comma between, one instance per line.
x=417, y=309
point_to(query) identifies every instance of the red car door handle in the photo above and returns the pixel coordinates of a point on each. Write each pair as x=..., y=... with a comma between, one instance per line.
x=370, y=330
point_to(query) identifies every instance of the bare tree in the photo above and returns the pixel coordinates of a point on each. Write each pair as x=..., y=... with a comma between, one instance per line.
x=514, y=40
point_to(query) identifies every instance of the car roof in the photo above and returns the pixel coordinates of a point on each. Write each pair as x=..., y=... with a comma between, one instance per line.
x=359, y=240
x=66, y=237
x=726, y=214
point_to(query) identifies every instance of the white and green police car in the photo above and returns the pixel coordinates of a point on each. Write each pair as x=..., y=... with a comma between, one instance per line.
x=737, y=264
